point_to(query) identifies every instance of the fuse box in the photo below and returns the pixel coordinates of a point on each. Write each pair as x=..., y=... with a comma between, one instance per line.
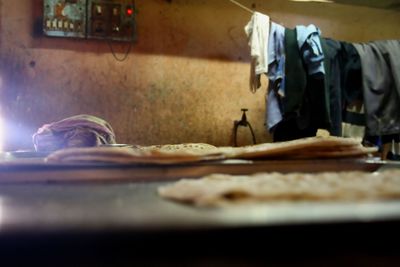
x=65, y=18
x=94, y=19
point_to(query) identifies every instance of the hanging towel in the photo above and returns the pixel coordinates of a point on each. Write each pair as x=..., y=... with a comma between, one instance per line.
x=257, y=31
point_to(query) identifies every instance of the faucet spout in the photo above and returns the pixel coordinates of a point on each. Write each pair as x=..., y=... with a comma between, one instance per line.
x=244, y=123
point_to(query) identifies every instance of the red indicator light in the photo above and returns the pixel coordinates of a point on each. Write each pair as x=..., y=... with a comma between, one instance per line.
x=129, y=11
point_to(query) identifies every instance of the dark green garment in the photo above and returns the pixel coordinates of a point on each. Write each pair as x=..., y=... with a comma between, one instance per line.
x=295, y=75
x=306, y=96
x=295, y=106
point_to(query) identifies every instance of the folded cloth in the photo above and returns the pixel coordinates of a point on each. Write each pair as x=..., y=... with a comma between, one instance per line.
x=77, y=131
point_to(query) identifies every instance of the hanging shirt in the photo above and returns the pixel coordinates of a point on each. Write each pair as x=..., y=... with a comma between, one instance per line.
x=257, y=31
x=317, y=92
x=308, y=40
x=276, y=74
x=276, y=58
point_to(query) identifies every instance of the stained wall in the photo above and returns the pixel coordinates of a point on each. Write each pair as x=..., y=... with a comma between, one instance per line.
x=184, y=80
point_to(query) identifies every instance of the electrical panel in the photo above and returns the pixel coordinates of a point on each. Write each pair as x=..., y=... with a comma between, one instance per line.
x=93, y=19
x=65, y=18
x=111, y=19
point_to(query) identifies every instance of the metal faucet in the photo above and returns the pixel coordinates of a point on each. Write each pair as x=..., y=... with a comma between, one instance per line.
x=245, y=123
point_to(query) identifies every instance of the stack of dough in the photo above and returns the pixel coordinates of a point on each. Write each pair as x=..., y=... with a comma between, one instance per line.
x=221, y=189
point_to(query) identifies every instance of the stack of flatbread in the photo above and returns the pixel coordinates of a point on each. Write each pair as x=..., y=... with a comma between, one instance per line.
x=221, y=189
x=165, y=154
x=187, y=148
x=307, y=148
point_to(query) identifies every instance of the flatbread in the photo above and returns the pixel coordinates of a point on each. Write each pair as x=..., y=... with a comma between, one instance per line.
x=221, y=189
x=126, y=155
x=306, y=148
x=312, y=147
x=340, y=152
x=187, y=148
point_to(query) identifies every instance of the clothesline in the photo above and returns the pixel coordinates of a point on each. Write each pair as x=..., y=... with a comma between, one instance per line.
x=242, y=6
x=245, y=8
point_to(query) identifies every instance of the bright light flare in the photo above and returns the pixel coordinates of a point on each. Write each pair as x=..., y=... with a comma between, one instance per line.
x=1, y=134
x=1, y=121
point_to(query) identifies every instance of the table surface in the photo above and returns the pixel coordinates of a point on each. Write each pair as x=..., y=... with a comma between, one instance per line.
x=37, y=195
x=137, y=206
x=98, y=211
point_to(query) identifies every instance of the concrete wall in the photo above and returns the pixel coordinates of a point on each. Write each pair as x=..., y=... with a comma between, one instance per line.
x=185, y=79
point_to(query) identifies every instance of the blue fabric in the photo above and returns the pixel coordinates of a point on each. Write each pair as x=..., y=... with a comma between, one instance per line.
x=276, y=56
x=276, y=74
x=274, y=114
x=308, y=40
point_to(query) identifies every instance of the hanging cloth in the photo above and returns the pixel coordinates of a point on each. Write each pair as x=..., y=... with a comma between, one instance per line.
x=276, y=75
x=257, y=31
x=381, y=86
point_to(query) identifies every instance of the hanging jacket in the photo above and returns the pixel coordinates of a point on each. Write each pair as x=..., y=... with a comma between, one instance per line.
x=381, y=86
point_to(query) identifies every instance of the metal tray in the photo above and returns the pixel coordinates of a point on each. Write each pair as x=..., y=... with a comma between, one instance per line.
x=37, y=170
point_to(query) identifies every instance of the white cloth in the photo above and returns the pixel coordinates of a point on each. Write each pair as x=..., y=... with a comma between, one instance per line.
x=257, y=31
